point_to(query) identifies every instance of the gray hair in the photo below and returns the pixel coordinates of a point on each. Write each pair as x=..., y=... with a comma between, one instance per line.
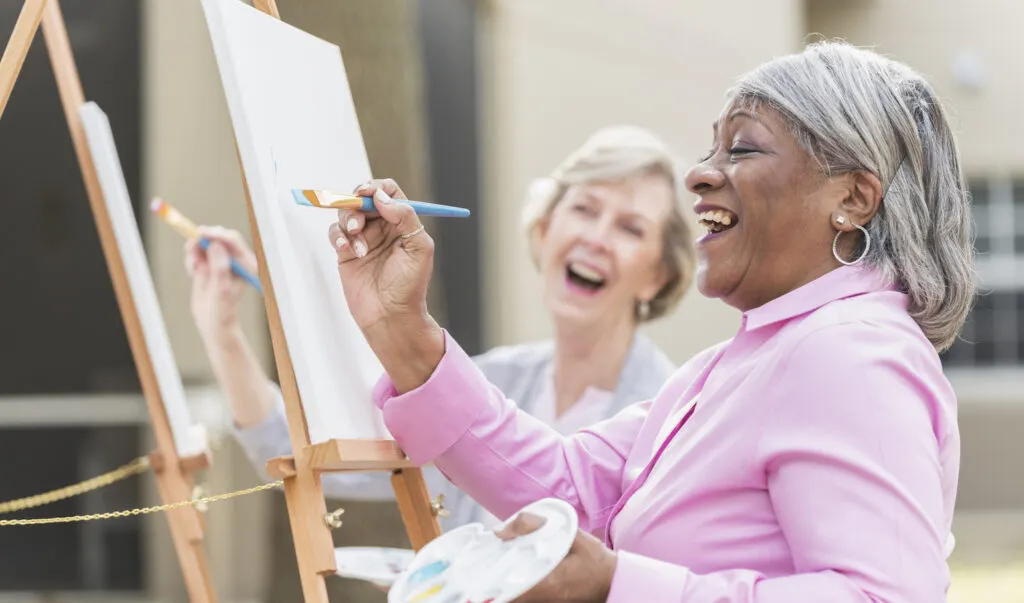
x=853, y=110
x=612, y=154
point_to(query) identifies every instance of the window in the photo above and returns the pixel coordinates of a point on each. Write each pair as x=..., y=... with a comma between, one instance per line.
x=994, y=332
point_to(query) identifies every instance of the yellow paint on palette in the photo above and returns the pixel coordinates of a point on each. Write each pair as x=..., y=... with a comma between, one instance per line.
x=424, y=595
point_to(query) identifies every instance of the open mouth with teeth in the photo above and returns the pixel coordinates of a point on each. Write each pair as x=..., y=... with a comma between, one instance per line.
x=584, y=277
x=718, y=220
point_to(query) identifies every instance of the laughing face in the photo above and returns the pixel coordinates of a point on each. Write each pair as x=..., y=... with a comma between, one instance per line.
x=765, y=205
x=601, y=249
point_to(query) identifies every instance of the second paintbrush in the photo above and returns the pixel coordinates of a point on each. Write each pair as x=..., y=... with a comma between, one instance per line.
x=329, y=200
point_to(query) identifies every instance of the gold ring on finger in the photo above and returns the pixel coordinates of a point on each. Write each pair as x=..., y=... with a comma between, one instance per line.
x=412, y=234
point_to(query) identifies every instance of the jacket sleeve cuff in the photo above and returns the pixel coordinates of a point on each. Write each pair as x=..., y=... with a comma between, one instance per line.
x=267, y=439
x=430, y=419
x=639, y=578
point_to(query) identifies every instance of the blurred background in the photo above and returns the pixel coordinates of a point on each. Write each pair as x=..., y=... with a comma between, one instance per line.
x=464, y=102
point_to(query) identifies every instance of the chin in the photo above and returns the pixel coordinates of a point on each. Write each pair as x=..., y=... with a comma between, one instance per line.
x=568, y=311
x=569, y=314
x=711, y=283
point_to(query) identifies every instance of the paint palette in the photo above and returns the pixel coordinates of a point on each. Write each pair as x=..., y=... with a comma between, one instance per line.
x=378, y=565
x=471, y=564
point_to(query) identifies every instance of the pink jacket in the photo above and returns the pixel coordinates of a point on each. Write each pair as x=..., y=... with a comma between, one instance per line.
x=812, y=458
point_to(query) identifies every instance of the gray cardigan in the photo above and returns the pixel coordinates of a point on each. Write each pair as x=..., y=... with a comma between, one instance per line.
x=518, y=371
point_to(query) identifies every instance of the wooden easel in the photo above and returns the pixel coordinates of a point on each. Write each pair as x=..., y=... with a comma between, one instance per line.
x=173, y=473
x=307, y=511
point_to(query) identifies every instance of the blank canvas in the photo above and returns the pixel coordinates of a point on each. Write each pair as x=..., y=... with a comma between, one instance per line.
x=296, y=127
x=188, y=438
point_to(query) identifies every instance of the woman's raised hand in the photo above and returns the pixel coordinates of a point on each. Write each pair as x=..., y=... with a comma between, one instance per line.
x=385, y=262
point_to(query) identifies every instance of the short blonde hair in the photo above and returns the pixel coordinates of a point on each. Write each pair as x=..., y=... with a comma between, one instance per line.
x=612, y=154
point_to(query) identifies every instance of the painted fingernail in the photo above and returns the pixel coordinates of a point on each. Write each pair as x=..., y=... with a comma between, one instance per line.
x=382, y=196
x=341, y=242
x=360, y=248
x=353, y=224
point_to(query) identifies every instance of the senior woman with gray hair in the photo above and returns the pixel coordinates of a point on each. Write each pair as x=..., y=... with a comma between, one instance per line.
x=607, y=234
x=812, y=457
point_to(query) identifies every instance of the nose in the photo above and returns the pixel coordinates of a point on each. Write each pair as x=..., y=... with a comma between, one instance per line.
x=704, y=177
x=600, y=232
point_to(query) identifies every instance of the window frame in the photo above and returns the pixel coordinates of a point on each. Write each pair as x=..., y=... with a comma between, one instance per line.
x=1000, y=270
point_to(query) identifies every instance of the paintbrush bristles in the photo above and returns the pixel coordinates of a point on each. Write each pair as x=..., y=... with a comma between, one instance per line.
x=312, y=197
x=178, y=222
x=321, y=198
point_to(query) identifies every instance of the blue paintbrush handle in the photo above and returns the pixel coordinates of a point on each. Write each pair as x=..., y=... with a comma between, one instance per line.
x=237, y=268
x=424, y=209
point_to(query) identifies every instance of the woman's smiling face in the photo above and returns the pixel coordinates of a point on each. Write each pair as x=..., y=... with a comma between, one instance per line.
x=766, y=206
x=601, y=249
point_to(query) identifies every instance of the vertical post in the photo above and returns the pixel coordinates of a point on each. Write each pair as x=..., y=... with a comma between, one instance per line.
x=17, y=47
x=268, y=6
x=307, y=509
x=414, y=505
x=173, y=483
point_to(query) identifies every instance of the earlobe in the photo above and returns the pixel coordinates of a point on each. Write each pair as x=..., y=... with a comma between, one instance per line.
x=658, y=283
x=541, y=229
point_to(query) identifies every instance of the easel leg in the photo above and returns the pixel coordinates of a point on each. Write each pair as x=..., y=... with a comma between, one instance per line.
x=414, y=505
x=174, y=484
x=17, y=47
x=186, y=533
x=314, y=588
x=307, y=509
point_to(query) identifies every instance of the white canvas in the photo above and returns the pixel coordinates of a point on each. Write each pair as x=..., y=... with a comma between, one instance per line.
x=188, y=439
x=296, y=127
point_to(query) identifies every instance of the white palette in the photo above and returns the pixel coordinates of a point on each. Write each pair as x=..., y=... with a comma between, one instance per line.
x=471, y=563
x=296, y=127
x=379, y=565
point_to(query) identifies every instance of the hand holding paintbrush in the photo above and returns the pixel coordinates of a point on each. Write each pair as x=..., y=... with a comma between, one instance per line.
x=187, y=229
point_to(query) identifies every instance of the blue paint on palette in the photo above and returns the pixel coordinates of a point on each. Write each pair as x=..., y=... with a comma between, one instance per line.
x=428, y=572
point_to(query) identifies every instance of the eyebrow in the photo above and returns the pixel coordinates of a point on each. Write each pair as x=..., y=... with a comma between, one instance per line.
x=631, y=214
x=627, y=213
x=741, y=113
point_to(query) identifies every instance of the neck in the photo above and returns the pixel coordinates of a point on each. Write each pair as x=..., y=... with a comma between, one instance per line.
x=769, y=294
x=589, y=357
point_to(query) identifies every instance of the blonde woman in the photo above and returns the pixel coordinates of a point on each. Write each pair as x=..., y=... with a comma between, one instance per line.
x=606, y=233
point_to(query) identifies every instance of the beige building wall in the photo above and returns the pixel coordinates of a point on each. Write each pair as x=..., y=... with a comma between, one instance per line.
x=555, y=71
